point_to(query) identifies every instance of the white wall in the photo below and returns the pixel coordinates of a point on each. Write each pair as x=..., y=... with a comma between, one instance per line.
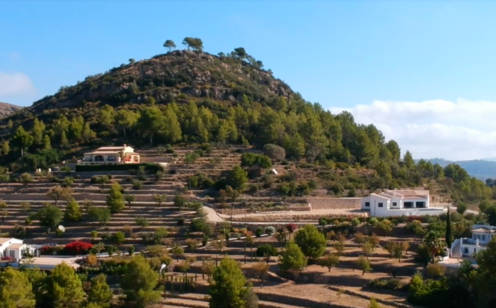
x=409, y=212
x=7, y=244
x=471, y=249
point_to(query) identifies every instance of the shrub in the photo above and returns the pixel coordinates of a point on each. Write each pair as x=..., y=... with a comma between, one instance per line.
x=118, y=238
x=191, y=243
x=392, y=284
x=51, y=250
x=258, y=232
x=373, y=221
x=270, y=230
x=180, y=201
x=274, y=151
x=77, y=248
x=254, y=188
x=266, y=250
x=207, y=147
x=170, y=149
x=137, y=184
x=91, y=260
x=130, y=250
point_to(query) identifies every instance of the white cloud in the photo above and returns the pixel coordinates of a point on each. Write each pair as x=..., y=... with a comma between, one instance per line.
x=15, y=84
x=458, y=130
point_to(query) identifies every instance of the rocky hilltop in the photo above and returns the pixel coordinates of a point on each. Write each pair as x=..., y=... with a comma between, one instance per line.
x=165, y=77
x=8, y=109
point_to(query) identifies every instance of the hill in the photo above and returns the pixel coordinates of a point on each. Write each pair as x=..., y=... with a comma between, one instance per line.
x=481, y=169
x=195, y=98
x=8, y=109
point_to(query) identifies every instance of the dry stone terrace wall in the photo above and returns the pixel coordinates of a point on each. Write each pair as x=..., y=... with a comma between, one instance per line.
x=297, y=301
x=334, y=203
x=78, y=197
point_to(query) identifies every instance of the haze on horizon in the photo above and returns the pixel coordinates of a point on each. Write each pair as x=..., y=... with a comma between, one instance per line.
x=421, y=71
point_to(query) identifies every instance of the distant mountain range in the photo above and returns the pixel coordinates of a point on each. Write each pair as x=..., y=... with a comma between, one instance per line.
x=480, y=168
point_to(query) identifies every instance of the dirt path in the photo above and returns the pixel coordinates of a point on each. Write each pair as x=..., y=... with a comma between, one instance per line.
x=213, y=216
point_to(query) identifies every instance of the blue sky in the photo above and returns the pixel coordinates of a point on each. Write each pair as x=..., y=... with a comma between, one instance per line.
x=341, y=54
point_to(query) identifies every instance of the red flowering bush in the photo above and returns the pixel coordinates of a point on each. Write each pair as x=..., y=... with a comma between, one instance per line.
x=77, y=248
x=7, y=258
x=45, y=250
x=292, y=228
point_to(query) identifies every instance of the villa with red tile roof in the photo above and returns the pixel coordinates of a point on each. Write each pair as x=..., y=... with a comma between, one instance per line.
x=111, y=155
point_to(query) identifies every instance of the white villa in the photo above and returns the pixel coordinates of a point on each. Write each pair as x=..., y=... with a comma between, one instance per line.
x=468, y=247
x=400, y=202
x=110, y=156
x=15, y=248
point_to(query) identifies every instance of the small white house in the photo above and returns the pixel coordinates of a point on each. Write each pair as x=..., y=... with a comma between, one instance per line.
x=110, y=156
x=15, y=248
x=468, y=247
x=399, y=202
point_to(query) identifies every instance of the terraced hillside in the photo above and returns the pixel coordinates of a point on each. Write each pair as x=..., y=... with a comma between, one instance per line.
x=175, y=180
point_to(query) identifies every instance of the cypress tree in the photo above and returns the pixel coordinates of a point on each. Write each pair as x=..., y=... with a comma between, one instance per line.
x=448, y=230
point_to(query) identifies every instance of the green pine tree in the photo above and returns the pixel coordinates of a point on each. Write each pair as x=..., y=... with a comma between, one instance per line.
x=139, y=282
x=100, y=293
x=65, y=289
x=115, y=198
x=292, y=259
x=229, y=287
x=64, y=142
x=47, y=144
x=16, y=290
x=311, y=241
x=72, y=210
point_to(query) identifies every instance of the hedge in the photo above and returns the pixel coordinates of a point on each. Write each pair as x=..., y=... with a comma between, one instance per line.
x=153, y=168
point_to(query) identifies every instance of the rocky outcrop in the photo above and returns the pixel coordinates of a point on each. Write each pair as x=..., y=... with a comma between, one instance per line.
x=8, y=109
x=176, y=76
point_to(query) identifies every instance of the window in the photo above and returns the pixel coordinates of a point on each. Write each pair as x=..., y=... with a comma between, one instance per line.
x=367, y=204
x=98, y=158
x=380, y=204
x=420, y=204
x=465, y=250
x=408, y=205
x=395, y=204
x=112, y=158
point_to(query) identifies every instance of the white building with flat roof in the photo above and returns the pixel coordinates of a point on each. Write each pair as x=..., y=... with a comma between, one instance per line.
x=468, y=247
x=400, y=202
x=15, y=248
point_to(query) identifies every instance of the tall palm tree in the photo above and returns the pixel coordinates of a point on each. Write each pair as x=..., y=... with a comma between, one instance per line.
x=434, y=243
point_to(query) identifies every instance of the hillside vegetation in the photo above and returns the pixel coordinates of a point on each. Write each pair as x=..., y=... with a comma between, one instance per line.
x=192, y=97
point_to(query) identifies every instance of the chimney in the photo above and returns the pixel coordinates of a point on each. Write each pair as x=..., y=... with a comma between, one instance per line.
x=124, y=146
